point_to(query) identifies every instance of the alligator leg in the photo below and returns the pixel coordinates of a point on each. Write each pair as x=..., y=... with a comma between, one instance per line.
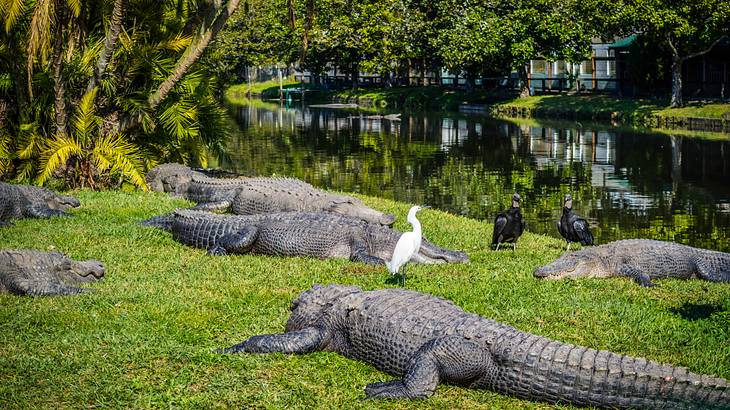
x=449, y=358
x=307, y=340
x=640, y=277
x=221, y=206
x=41, y=211
x=239, y=242
x=718, y=273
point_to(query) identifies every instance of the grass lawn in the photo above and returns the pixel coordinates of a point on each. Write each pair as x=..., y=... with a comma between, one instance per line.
x=627, y=107
x=143, y=338
x=269, y=89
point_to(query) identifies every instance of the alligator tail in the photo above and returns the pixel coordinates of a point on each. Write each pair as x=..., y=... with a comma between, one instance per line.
x=163, y=222
x=433, y=253
x=538, y=368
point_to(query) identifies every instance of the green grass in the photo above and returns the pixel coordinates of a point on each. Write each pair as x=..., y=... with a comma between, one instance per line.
x=624, y=109
x=267, y=89
x=143, y=338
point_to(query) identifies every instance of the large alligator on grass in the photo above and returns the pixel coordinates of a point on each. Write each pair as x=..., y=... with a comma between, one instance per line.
x=35, y=273
x=315, y=234
x=641, y=260
x=426, y=340
x=24, y=201
x=249, y=196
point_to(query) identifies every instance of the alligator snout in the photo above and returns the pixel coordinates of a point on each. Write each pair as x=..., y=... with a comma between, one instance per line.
x=92, y=267
x=541, y=273
x=70, y=201
x=387, y=219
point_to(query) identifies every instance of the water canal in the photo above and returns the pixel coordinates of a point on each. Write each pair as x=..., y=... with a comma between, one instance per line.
x=628, y=184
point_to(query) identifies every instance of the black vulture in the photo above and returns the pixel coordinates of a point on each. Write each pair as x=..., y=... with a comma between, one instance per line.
x=509, y=225
x=572, y=227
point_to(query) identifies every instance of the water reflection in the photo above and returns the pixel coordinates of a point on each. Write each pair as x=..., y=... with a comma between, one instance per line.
x=627, y=184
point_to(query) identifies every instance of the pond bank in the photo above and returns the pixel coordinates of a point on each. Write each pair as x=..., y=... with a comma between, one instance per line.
x=144, y=337
x=696, y=116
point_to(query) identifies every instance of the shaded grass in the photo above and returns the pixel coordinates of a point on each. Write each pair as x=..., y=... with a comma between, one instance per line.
x=143, y=338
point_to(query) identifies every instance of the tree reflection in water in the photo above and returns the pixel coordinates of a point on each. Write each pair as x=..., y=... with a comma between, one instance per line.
x=628, y=184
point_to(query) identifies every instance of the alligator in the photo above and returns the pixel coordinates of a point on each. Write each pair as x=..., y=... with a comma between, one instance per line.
x=426, y=340
x=316, y=234
x=641, y=260
x=24, y=201
x=255, y=195
x=36, y=273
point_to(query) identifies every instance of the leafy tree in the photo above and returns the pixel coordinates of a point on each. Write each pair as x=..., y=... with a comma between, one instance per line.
x=126, y=67
x=686, y=28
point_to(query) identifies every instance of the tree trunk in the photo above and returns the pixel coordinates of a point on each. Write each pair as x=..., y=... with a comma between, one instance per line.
x=524, y=86
x=115, y=26
x=59, y=86
x=309, y=16
x=677, y=100
x=355, y=72
x=192, y=53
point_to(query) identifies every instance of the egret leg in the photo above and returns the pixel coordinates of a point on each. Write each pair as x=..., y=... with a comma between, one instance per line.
x=568, y=248
x=403, y=276
x=497, y=246
x=514, y=246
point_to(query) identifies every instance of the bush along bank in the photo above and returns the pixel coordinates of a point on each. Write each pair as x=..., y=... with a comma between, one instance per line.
x=697, y=116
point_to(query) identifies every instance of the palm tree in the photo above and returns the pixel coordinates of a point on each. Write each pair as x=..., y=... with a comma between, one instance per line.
x=92, y=152
x=124, y=70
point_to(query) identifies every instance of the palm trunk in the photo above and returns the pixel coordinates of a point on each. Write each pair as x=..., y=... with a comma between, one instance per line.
x=115, y=26
x=59, y=86
x=192, y=54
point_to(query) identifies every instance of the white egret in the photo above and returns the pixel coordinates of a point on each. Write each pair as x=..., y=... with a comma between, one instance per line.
x=408, y=245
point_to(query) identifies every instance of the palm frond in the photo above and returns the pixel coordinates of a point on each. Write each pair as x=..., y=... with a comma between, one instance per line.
x=11, y=11
x=29, y=141
x=59, y=149
x=6, y=152
x=6, y=83
x=91, y=54
x=179, y=120
x=112, y=152
x=85, y=121
x=74, y=6
x=25, y=171
x=39, y=39
x=177, y=43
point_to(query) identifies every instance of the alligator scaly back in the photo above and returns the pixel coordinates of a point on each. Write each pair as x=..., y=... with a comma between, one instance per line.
x=426, y=340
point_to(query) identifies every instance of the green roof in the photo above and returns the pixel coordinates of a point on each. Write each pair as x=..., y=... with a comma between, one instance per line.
x=624, y=42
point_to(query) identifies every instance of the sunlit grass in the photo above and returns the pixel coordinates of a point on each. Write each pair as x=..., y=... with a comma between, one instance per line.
x=143, y=338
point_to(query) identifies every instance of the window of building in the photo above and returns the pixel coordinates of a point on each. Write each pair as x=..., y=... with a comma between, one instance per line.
x=611, y=68
x=586, y=67
x=538, y=67
x=559, y=68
